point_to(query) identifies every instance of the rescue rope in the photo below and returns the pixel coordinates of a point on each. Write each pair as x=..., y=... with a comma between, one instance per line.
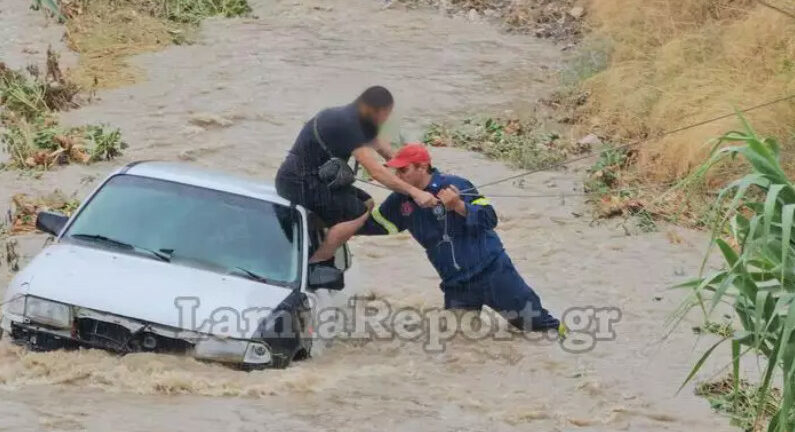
x=588, y=156
x=776, y=8
x=632, y=144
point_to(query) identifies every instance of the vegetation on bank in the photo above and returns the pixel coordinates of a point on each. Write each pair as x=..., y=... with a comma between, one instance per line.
x=740, y=402
x=107, y=32
x=554, y=19
x=753, y=226
x=30, y=133
x=521, y=143
x=676, y=62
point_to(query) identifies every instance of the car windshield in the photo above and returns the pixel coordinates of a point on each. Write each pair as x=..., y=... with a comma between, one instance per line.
x=193, y=226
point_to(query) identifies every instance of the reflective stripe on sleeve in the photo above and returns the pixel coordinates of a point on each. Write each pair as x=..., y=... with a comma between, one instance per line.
x=481, y=201
x=384, y=222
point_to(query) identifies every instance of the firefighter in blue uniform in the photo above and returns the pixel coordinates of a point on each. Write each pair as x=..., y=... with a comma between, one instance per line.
x=459, y=239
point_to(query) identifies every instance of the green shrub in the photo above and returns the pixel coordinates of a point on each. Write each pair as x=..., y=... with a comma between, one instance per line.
x=103, y=144
x=753, y=229
x=521, y=144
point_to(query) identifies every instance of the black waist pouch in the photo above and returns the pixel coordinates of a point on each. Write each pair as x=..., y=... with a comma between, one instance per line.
x=335, y=172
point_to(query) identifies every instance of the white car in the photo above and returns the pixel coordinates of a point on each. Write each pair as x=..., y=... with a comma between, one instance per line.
x=166, y=257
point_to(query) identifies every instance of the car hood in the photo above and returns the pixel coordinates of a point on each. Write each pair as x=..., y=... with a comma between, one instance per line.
x=146, y=289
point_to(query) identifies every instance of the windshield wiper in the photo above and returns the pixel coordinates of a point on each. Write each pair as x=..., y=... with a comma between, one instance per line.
x=253, y=275
x=162, y=255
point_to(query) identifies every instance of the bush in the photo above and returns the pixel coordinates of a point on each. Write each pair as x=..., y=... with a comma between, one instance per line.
x=753, y=228
x=31, y=135
x=511, y=140
x=194, y=11
x=605, y=173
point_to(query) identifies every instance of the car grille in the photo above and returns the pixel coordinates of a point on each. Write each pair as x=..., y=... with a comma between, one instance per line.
x=118, y=338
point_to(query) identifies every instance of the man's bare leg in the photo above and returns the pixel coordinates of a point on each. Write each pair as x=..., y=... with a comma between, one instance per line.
x=338, y=235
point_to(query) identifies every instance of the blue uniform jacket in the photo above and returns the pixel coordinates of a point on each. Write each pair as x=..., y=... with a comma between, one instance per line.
x=458, y=247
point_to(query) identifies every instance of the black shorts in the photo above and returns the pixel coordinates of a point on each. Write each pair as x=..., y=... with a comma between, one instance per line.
x=332, y=206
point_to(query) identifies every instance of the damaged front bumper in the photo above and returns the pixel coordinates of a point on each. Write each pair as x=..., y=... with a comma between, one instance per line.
x=93, y=329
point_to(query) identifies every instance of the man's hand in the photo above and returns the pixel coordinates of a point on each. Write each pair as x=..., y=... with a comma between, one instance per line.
x=384, y=148
x=424, y=199
x=451, y=199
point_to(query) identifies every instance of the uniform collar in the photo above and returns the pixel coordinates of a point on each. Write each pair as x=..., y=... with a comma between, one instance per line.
x=437, y=181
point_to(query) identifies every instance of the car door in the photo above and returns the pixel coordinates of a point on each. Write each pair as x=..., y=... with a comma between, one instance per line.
x=328, y=305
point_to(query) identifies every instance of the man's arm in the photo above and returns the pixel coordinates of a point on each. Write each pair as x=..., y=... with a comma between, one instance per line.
x=385, y=219
x=365, y=156
x=472, y=205
x=384, y=148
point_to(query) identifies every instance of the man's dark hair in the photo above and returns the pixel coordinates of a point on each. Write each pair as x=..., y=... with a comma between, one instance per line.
x=376, y=97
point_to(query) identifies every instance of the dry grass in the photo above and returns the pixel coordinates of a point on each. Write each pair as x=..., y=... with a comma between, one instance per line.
x=740, y=404
x=677, y=61
x=106, y=33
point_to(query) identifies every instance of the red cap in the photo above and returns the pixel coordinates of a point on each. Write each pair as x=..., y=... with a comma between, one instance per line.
x=410, y=154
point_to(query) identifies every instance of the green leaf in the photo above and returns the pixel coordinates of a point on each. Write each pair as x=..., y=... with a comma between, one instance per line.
x=770, y=205
x=764, y=389
x=52, y=6
x=700, y=363
x=720, y=291
x=787, y=213
x=736, y=369
x=728, y=253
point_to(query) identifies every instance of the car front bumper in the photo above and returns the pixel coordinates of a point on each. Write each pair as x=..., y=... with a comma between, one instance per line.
x=92, y=329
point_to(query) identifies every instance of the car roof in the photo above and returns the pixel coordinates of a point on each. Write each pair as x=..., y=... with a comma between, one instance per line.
x=190, y=174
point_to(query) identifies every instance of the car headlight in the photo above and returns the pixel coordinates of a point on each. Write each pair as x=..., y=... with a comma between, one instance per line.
x=233, y=351
x=46, y=312
x=15, y=306
x=257, y=353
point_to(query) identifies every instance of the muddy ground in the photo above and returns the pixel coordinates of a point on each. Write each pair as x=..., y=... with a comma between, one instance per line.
x=253, y=82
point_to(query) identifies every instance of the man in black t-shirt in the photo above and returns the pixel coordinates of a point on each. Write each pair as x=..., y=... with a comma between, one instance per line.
x=349, y=130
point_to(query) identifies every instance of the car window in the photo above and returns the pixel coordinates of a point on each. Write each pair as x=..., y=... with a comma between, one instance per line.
x=196, y=226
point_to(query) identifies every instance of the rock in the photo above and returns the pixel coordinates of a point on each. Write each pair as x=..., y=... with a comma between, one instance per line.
x=577, y=12
x=489, y=13
x=473, y=15
x=589, y=140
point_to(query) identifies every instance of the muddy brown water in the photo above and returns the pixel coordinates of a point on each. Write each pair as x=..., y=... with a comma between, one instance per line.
x=234, y=101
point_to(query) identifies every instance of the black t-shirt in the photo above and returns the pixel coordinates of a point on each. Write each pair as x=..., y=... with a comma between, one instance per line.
x=340, y=128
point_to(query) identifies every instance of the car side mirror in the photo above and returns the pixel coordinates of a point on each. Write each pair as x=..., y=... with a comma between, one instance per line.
x=51, y=222
x=325, y=277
